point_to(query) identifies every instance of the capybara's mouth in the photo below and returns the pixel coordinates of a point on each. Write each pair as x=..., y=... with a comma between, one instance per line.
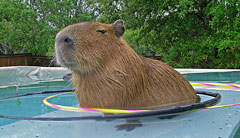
x=65, y=63
x=65, y=60
x=68, y=64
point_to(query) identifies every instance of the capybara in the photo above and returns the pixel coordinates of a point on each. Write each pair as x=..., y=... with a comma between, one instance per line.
x=107, y=72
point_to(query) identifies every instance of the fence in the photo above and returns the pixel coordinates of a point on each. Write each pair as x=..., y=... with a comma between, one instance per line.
x=25, y=60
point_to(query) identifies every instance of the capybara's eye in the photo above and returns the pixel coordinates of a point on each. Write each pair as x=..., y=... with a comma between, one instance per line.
x=102, y=31
x=67, y=40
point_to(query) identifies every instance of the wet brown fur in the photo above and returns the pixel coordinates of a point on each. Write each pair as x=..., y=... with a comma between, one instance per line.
x=107, y=73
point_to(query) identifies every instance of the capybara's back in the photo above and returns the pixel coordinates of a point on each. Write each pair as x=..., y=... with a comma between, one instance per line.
x=107, y=73
x=174, y=88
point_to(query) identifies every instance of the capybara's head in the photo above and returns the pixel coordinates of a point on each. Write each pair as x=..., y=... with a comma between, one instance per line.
x=85, y=46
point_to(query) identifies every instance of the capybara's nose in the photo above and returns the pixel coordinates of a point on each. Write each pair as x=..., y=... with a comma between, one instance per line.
x=66, y=41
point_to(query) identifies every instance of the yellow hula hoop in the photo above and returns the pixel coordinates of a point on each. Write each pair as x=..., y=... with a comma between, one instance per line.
x=119, y=111
x=79, y=109
x=218, y=86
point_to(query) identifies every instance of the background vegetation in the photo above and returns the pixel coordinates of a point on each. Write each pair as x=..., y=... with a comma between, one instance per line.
x=185, y=33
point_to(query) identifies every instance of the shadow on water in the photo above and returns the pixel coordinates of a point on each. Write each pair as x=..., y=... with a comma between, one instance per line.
x=237, y=134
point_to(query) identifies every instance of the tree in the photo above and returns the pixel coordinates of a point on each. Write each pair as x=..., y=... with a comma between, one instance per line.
x=30, y=26
x=186, y=33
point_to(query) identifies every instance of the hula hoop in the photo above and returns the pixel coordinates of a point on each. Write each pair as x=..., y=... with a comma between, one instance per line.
x=102, y=110
x=217, y=86
x=152, y=113
x=70, y=108
x=209, y=104
x=118, y=111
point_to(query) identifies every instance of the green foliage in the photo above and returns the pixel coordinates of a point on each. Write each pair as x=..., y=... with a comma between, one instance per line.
x=29, y=26
x=186, y=33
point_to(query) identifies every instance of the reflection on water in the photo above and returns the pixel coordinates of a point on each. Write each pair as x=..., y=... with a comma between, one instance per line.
x=29, y=106
x=215, y=76
x=237, y=134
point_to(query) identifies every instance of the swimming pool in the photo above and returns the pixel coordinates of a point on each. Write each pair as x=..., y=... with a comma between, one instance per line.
x=209, y=123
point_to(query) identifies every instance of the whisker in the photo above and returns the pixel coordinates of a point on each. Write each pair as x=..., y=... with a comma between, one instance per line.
x=69, y=82
x=53, y=61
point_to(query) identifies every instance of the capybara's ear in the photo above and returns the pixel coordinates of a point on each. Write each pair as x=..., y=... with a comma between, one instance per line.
x=119, y=28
